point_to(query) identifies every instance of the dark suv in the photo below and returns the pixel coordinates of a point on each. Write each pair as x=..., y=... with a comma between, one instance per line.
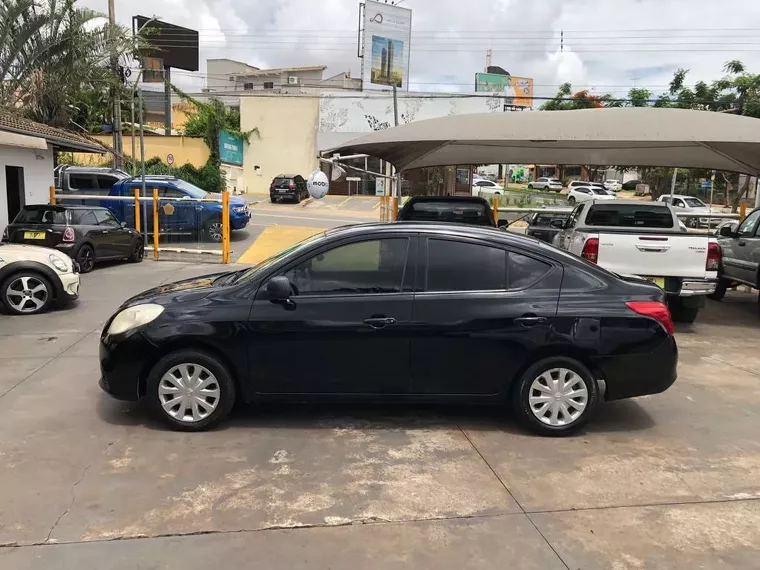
x=85, y=233
x=471, y=210
x=288, y=186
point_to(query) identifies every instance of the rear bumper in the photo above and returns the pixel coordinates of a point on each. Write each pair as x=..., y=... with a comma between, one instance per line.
x=696, y=287
x=631, y=375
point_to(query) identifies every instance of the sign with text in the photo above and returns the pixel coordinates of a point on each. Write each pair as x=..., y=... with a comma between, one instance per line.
x=387, y=40
x=230, y=148
x=517, y=91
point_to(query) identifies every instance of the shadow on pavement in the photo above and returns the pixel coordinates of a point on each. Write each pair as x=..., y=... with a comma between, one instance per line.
x=623, y=416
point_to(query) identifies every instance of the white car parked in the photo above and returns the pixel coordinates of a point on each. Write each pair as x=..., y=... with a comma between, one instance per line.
x=546, y=184
x=614, y=185
x=579, y=194
x=34, y=278
x=692, y=204
x=482, y=187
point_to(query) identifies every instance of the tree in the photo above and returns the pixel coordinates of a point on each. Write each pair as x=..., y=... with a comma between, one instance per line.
x=50, y=52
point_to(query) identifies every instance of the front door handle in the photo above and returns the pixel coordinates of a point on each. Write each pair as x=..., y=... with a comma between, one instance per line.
x=379, y=322
x=529, y=321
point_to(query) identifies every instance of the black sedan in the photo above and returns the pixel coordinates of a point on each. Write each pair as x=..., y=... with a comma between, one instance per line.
x=540, y=225
x=87, y=234
x=411, y=311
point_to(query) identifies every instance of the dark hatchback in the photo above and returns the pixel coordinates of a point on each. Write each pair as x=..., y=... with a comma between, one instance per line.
x=288, y=187
x=460, y=209
x=87, y=234
x=386, y=312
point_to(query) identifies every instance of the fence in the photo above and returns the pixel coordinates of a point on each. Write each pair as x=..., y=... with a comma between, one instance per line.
x=168, y=223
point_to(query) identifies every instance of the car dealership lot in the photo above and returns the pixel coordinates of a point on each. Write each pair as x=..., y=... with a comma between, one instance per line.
x=667, y=481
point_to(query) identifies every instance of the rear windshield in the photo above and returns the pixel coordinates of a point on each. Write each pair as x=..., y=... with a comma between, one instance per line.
x=464, y=212
x=546, y=219
x=46, y=216
x=629, y=216
x=282, y=181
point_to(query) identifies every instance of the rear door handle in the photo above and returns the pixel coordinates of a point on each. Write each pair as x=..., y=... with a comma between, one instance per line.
x=379, y=322
x=529, y=321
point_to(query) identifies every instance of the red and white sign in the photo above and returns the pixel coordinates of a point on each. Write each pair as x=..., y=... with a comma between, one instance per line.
x=170, y=159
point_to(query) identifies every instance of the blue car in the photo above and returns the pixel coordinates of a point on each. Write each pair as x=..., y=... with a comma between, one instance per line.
x=180, y=212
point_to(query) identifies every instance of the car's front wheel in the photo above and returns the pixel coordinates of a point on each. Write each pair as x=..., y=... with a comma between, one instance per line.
x=212, y=230
x=27, y=293
x=530, y=186
x=556, y=396
x=571, y=200
x=190, y=390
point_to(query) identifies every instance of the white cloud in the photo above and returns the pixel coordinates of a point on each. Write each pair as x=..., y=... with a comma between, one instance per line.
x=602, y=50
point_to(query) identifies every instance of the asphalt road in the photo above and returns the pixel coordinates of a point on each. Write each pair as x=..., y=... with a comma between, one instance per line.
x=666, y=481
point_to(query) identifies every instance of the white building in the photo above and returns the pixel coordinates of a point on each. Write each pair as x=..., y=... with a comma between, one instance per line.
x=27, y=162
x=229, y=76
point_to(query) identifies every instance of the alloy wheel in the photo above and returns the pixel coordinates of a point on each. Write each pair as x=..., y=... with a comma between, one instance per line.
x=27, y=294
x=86, y=260
x=214, y=230
x=558, y=397
x=189, y=392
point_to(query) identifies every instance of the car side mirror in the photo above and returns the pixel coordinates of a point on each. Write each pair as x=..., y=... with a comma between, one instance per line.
x=559, y=224
x=122, y=225
x=727, y=231
x=279, y=289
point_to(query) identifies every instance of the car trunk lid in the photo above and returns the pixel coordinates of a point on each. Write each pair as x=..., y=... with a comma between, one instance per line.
x=653, y=254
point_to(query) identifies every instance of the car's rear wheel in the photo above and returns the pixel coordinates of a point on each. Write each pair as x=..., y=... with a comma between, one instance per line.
x=720, y=290
x=297, y=197
x=556, y=396
x=571, y=200
x=138, y=251
x=190, y=390
x=27, y=293
x=273, y=199
x=680, y=312
x=85, y=258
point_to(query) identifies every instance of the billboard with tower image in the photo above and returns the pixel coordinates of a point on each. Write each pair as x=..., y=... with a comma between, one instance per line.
x=386, y=43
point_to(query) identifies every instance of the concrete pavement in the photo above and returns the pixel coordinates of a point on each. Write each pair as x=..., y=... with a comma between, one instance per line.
x=667, y=481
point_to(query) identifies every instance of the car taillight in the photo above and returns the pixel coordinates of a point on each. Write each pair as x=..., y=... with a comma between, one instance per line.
x=714, y=255
x=291, y=185
x=68, y=234
x=591, y=250
x=656, y=310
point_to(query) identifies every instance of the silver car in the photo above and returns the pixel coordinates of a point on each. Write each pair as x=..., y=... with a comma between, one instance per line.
x=741, y=254
x=546, y=184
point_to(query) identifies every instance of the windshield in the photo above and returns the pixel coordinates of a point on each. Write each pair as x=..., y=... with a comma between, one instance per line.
x=192, y=190
x=694, y=203
x=293, y=249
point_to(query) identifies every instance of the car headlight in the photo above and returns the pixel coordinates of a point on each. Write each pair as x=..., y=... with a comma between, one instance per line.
x=133, y=317
x=240, y=209
x=58, y=263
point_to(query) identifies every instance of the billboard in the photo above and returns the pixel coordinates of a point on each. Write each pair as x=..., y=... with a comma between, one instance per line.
x=230, y=148
x=518, y=91
x=387, y=40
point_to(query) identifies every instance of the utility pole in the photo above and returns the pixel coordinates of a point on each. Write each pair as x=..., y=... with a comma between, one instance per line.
x=673, y=185
x=118, y=157
x=142, y=168
x=167, y=101
x=397, y=198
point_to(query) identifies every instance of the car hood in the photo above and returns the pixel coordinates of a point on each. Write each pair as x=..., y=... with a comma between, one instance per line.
x=234, y=200
x=10, y=252
x=179, y=291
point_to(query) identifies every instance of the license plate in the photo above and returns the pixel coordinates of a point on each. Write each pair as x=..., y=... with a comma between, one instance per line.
x=659, y=281
x=34, y=235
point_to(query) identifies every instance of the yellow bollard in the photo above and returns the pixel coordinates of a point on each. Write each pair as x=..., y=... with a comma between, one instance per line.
x=155, y=224
x=495, y=206
x=52, y=195
x=225, y=227
x=137, y=209
x=742, y=212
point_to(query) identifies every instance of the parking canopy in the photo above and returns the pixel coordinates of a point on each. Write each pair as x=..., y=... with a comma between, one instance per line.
x=619, y=137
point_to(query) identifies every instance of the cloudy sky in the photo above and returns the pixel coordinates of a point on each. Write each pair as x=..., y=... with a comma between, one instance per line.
x=609, y=45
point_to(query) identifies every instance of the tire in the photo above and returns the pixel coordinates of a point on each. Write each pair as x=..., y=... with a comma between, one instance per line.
x=85, y=257
x=298, y=198
x=571, y=200
x=212, y=230
x=138, y=251
x=543, y=372
x=27, y=293
x=681, y=313
x=720, y=290
x=166, y=379
x=530, y=186
x=273, y=199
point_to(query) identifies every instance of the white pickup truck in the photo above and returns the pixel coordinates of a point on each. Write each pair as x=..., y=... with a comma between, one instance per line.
x=645, y=239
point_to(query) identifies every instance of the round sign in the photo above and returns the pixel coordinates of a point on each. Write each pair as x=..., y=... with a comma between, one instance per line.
x=318, y=184
x=169, y=159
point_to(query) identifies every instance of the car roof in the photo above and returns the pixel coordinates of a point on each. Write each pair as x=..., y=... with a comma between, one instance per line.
x=417, y=199
x=656, y=203
x=286, y=175
x=678, y=196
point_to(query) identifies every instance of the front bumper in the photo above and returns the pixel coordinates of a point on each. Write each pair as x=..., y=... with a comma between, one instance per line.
x=239, y=221
x=69, y=286
x=124, y=362
x=631, y=375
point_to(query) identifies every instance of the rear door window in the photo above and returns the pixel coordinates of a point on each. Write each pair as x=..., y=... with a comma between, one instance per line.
x=463, y=266
x=629, y=216
x=105, y=181
x=524, y=271
x=81, y=217
x=82, y=182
